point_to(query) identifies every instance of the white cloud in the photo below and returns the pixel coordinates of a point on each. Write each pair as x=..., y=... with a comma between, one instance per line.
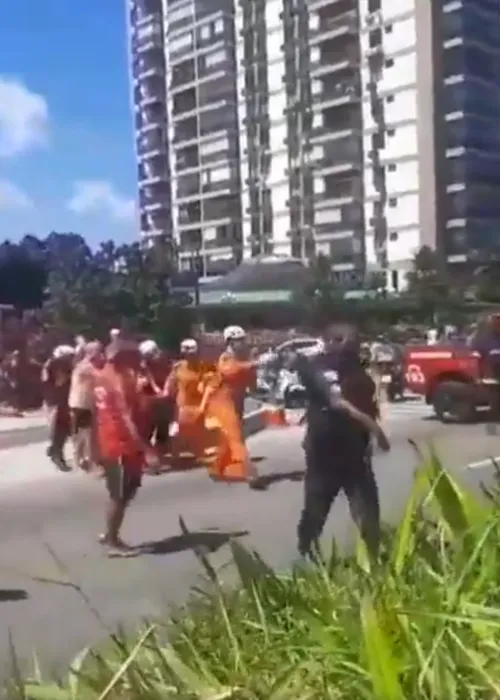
x=12, y=198
x=99, y=196
x=24, y=118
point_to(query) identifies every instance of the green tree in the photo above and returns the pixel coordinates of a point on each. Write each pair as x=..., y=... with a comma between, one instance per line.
x=428, y=282
x=23, y=278
x=487, y=283
x=88, y=291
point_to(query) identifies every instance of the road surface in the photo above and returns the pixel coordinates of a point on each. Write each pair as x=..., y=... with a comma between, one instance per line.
x=64, y=512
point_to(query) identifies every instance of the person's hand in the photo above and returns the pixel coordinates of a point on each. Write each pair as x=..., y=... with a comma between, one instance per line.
x=383, y=440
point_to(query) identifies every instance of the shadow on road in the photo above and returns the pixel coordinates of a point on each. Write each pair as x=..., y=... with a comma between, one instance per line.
x=12, y=595
x=267, y=480
x=206, y=541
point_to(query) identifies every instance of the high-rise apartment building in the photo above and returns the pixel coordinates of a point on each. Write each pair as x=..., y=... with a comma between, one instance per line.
x=202, y=115
x=361, y=129
x=468, y=137
x=149, y=94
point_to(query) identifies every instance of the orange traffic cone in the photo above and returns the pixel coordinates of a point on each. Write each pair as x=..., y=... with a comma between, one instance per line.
x=275, y=417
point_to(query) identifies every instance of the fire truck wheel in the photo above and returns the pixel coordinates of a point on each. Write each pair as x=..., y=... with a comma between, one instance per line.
x=453, y=402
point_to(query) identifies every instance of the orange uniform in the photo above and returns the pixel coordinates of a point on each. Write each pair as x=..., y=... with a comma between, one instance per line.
x=186, y=385
x=227, y=388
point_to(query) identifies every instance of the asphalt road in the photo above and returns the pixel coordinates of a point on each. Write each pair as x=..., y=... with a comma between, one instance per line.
x=31, y=434
x=49, y=531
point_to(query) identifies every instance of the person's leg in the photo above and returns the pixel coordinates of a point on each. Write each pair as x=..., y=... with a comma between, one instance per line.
x=59, y=430
x=321, y=487
x=78, y=438
x=122, y=487
x=362, y=495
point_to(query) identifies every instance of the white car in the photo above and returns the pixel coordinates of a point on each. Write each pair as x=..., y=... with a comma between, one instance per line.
x=307, y=344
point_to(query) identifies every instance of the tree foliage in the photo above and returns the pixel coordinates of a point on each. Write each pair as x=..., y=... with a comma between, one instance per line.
x=86, y=291
x=487, y=283
x=428, y=281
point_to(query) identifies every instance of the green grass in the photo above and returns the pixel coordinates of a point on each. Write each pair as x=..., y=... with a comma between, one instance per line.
x=423, y=623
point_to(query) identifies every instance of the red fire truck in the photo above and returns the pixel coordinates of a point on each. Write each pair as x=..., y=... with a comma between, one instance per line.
x=454, y=380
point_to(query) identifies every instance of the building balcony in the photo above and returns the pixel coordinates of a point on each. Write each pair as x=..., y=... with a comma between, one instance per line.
x=151, y=143
x=183, y=76
x=153, y=172
x=315, y=5
x=331, y=28
x=149, y=64
x=337, y=94
x=338, y=190
x=150, y=91
x=148, y=37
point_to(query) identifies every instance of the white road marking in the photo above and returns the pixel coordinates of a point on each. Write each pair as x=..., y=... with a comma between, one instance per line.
x=484, y=463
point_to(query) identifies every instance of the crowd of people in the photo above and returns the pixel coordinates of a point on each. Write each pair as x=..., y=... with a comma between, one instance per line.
x=128, y=407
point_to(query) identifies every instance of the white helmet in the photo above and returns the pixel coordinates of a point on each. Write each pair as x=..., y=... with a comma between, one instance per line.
x=234, y=333
x=148, y=347
x=189, y=345
x=63, y=351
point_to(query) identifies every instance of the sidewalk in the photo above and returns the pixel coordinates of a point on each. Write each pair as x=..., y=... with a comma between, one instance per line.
x=29, y=420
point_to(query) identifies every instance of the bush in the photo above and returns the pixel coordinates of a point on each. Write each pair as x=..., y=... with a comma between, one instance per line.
x=423, y=623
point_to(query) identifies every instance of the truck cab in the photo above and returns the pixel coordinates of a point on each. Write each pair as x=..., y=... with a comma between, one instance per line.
x=451, y=379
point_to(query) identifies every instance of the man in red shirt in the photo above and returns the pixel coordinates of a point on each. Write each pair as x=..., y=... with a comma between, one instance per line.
x=122, y=450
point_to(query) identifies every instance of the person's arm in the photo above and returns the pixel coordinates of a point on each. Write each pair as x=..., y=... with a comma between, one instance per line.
x=212, y=383
x=170, y=386
x=365, y=420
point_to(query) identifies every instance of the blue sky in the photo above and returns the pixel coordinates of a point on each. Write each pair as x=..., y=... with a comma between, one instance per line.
x=66, y=138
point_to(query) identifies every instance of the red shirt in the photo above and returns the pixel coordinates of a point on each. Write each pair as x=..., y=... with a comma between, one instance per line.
x=116, y=395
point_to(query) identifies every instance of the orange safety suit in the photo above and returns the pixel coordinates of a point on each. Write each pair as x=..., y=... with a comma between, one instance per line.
x=226, y=390
x=186, y=385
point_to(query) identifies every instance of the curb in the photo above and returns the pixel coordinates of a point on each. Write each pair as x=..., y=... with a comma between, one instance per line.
x=254, y=422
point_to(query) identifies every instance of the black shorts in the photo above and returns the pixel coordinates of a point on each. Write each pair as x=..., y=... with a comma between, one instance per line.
x=121, y=481
x=81, y=419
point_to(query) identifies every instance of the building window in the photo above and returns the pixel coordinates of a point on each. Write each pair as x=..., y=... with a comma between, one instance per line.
x=220, y=174
x=207, y=149
x=182, y=42
x=218, y=26
x=180, y=13
x=205, y=32
x=213, y=59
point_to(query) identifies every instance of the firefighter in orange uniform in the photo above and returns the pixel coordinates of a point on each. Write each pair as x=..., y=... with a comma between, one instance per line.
x=185, y=385
x=223, y=403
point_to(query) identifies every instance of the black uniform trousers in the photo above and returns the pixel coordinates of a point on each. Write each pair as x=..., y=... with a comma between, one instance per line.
x=331, y=468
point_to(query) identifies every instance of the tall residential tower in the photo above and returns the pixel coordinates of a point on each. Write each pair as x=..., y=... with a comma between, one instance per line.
x=361, y=129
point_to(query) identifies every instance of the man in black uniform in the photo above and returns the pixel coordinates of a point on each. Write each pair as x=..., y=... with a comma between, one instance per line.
x=340, y=422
